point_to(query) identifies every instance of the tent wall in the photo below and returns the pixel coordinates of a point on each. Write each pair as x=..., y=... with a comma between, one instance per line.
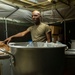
x=14, y=29
x=2, y=31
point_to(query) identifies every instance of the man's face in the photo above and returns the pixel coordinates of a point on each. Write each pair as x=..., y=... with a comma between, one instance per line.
x=36, y=16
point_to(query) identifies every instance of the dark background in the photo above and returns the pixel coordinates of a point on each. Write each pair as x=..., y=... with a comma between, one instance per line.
x=13, y=29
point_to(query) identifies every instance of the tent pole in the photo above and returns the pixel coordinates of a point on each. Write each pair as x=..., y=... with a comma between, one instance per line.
x=64, y=31
x=6, y=30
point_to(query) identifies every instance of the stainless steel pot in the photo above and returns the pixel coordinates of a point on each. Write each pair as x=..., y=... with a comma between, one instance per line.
x=38, y=60
x=73, y=44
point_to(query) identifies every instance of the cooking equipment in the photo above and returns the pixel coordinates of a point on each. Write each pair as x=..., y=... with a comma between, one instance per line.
x=6, y=59
x=34, y=60
x=73, y=44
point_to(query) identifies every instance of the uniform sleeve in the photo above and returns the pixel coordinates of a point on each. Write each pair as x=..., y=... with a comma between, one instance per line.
x=47, y=29
x=29, y=28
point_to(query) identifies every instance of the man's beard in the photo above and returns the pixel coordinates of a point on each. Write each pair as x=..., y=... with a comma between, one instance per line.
x=36, y=22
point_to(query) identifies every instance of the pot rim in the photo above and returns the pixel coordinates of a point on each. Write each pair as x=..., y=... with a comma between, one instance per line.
x=18, y=45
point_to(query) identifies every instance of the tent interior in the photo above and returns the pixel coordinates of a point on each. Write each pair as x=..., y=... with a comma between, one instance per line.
x=17, y=13
x=16, y=16
x=51, y=10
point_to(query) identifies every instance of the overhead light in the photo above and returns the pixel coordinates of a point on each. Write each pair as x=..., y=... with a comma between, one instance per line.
x=49, y=0
x=35, y=1
x=26, y=1
x=53, y=1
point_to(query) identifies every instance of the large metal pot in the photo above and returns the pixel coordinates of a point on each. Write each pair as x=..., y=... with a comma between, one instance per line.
x=38, y=60
x=73, y=44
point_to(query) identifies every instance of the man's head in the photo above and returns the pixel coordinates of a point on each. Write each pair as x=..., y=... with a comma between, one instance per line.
x=36, y=15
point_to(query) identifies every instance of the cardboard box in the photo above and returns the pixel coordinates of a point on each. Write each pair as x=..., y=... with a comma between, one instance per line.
x=55, y=29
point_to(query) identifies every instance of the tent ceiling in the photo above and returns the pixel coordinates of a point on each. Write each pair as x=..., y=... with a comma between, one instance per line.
x=56, y=10
x=40, y=4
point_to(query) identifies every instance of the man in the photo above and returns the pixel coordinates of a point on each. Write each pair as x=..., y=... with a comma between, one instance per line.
x=40, y=32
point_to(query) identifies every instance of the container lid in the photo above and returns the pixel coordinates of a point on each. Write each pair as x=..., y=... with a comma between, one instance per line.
x=36, y=45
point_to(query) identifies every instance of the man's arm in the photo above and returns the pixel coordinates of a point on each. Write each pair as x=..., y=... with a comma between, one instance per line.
x=48, y=36
x=21, y=34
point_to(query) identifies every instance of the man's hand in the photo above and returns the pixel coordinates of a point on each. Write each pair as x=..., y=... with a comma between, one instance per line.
x=7, y=40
